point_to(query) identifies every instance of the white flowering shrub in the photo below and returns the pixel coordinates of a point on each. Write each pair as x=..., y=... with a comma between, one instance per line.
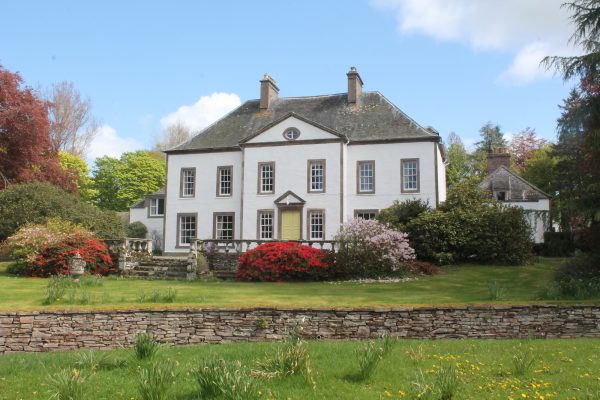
x=371, y=249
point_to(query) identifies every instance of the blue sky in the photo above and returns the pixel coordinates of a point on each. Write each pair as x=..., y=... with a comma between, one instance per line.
x=451, y=64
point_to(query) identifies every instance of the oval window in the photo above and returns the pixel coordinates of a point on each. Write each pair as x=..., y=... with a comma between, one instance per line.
x=291, y=134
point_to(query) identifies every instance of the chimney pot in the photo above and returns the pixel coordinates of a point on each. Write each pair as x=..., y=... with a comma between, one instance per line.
x=355, y=84
x=268, y=92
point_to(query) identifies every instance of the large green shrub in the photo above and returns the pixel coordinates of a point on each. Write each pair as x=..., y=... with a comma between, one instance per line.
x=137, y=229
x=400, y=213
x=557, y=244
x=470, y=226
x=579, y=277
x=37, y=202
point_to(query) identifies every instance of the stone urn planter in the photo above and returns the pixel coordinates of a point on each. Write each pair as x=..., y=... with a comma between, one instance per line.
x=76, y=267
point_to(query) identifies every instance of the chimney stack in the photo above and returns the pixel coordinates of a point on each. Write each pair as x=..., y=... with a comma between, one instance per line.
x=498, y=157
x=268, y=92
x=354, y=86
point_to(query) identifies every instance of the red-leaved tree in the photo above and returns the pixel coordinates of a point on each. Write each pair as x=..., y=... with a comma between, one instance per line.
x=523, y=145
x=26, y=150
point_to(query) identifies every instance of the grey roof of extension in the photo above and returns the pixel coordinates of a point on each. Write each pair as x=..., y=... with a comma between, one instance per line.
x=376, y=119
x=503, y=179
x=142, y=203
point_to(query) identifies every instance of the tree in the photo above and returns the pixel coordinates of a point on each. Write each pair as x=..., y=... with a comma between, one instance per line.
x=27, y=152
x=540, y=169
x=121, y=182
x=79, y=173
x=523, y=145
x=73, y=127
x=586, y=18
x=461, y=165
x=37, y=202
x=491, y=138
x=172, y=136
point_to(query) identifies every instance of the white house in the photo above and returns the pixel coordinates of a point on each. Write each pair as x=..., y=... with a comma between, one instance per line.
x=297, y=167
x=509, y=188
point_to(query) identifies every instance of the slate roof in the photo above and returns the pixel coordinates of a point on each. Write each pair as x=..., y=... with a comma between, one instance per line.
x=375, y=119
x=503, y=179
x=142, y=203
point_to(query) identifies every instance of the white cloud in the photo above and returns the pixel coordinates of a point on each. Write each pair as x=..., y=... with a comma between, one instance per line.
x=530, y=29
x=204, y=112
x=108, y=143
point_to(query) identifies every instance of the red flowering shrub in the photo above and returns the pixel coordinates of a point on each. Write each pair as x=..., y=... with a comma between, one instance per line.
x=284, y=261
x=54, y=259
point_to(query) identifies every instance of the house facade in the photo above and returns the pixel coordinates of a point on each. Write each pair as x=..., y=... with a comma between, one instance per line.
x=509, y=188
x=296, y=168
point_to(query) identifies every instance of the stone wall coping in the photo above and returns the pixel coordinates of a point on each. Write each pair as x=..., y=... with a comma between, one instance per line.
x=299, y=309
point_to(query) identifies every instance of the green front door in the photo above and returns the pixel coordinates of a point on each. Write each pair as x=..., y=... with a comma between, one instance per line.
x=290, y=225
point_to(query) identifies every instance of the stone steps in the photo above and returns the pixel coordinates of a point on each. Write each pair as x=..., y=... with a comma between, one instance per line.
x=169, y=268
x=226, y=274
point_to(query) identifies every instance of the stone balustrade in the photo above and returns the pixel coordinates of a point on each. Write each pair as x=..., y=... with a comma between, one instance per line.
x=129, y=250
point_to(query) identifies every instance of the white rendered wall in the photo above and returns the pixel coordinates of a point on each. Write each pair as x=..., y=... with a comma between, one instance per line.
x=538, y=224
x=291, y=169
x=441, y=175
x=387, y=174
x=154, y=224
x=205, y=202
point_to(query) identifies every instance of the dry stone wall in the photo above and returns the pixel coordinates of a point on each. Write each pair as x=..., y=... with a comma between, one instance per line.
x=69, y=330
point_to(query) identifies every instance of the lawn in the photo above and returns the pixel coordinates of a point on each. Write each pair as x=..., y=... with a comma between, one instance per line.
x=561, y=369
x=464, y=284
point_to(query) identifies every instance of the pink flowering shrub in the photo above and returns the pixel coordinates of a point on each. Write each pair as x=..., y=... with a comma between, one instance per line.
x=29, y=244
x=371, y=249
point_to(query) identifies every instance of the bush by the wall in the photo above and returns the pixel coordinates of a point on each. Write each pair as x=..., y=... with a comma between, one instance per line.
x=369, y=249
x=400, y=213
x=470, y=226
x=579, y=277
x=137, y=230
x=54, y=259
x=31, y=239
x=37, y=202
x=557, y=244
x=284, y=261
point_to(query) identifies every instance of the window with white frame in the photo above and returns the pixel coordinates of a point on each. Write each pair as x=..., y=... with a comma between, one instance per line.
x=187, y=229
x=316, y=224
x=265, y=224
x=157, y=207
x=366, y=177
x=410, y=175
x=223, y=224
x=188, y=180
x=365, y=214
x=316, y=175
x=224, y=181
x=266, y=177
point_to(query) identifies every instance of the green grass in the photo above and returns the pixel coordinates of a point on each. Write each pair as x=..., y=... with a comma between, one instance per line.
x=464, y=284
x=564, y=369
